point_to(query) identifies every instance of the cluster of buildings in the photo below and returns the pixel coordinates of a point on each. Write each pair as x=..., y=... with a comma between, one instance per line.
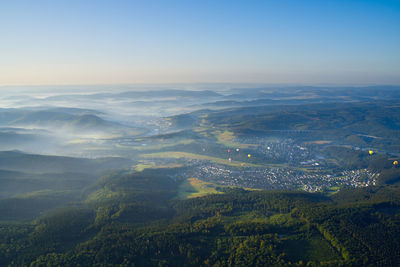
x=358, y=178
x=284, y=150
x=303, y=170
x=285, y=178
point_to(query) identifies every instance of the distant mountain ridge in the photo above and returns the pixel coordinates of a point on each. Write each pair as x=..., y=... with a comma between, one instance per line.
x=74, y=119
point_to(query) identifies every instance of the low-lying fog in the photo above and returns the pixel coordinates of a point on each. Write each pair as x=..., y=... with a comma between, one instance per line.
x=97, y=121
x=77, y=121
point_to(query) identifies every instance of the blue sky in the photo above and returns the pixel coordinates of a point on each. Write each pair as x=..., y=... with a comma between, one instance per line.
x=121, y=41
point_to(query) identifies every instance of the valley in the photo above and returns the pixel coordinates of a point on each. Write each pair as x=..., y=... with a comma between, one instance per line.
x=288, y=183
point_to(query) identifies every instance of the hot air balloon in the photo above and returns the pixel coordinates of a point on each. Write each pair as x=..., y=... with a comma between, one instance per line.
x=249, y=155
x=395, y=162
x=237, y=149
x=371, y=152
x=229, y=150
x=230, y=160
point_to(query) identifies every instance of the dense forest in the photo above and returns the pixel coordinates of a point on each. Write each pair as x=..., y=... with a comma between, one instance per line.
x=135, y=219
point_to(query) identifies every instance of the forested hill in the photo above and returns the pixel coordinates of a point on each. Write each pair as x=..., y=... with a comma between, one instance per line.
x=135, y=219
x=355, y=123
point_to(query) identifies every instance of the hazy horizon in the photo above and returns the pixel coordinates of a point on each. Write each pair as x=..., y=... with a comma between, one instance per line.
x=125, y=42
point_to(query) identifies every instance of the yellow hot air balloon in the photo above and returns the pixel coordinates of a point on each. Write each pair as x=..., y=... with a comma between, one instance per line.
x=371, y=152
x=395, y=162
x=249, y=155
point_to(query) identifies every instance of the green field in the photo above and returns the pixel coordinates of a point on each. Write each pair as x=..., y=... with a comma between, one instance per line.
x=226, y=138
x=193, y=187
x=141, y=166
x=152, y=165
x=178, y=155
x=332, y=190
x=161, y=146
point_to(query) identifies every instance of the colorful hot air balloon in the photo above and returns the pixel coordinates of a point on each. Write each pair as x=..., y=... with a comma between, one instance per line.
x=371, y=152
x=249, y=155
x=395, y=162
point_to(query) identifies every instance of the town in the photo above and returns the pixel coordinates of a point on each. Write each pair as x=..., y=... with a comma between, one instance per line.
x=281, y=178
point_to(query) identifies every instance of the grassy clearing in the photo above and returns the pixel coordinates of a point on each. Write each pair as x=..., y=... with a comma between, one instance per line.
x=319, y=142
x=91, y=138
x=199, y=129
x=332, y=190
x=203, y=131
x=152, y=165
x=78, y=142
x=316, y=169
x=141, y=166
x=161, y=146
x=178, y=155
x=226, y=138
x=193, y=187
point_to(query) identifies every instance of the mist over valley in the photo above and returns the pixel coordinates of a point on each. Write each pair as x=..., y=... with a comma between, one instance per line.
x=259, y=162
